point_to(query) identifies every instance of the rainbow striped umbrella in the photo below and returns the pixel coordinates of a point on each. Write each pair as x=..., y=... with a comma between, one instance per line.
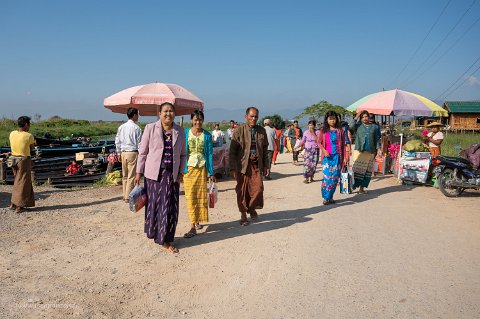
x=398, y=102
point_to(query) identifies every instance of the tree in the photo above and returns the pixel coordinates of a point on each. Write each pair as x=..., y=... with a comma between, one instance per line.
x=318, y=111
x=37, y=117
x=276, y=120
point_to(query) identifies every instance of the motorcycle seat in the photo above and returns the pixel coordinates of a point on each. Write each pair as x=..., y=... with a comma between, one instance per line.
x=458, y=159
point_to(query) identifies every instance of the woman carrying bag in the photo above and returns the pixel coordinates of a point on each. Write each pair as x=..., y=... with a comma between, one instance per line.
x=332, y=142
x=367, y=144
x=161, y=159
x=199, y=166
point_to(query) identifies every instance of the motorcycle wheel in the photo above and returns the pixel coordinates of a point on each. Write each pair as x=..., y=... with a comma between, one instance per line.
x=443, y=179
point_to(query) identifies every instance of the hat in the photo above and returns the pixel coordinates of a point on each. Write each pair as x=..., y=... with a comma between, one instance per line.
x=435, y=124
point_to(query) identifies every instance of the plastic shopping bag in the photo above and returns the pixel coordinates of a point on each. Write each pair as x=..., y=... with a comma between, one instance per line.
x=350, y=172
x=346, y=182
x=137, y=199
x=298, y=146
x=212, y=195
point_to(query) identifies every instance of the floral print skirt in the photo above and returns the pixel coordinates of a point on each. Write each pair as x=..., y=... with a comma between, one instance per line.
x=310, y=162
x=331, y=175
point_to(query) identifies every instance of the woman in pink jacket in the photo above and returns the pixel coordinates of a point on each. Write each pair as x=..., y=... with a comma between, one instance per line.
x=161, y=160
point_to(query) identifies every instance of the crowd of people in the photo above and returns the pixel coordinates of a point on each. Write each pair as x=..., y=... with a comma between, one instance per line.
x=166, y=155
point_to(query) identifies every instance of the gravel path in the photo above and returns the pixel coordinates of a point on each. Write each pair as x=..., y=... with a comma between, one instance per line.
x=397, y=252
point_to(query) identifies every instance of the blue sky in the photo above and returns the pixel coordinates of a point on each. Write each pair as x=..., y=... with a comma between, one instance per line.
x=64, y=57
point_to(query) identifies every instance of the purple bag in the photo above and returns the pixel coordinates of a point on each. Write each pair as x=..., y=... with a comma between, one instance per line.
x=473, y=155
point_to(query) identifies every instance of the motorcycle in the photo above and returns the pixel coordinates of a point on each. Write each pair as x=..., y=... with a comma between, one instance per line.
x=455, y=174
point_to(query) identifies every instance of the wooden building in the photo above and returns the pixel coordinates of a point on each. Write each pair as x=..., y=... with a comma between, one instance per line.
x=463, y=115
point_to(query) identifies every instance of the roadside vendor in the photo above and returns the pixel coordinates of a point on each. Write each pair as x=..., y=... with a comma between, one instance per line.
x=434, y=138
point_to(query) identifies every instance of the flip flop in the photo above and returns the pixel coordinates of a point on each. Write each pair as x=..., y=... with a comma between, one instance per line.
x=244, y=222
x=171, y=249
x=198, y=226
x=325, y=202
x=189, y=235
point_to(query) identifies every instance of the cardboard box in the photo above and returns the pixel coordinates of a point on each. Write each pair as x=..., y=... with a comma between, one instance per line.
x=81, y=155
x=90, y=161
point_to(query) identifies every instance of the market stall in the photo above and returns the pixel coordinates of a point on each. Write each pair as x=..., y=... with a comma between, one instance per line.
x=220, y=159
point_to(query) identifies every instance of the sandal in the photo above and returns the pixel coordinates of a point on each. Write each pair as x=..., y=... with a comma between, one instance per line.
x=331, y=201
x=198, y=226
x=12, y=207
x=325, y=202
x=19, y=210
x=244, y=222
x=190, y=234
x=170, y=248
x=254, y=216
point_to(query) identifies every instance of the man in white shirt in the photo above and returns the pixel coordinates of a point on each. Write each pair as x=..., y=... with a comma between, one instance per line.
x=271, y=135
x=127, y=143
x=217, y=136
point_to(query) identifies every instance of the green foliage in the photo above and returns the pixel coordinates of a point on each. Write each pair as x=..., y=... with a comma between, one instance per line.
x=62, y=128
x=458, y=139
x=276, y=120
x=317, y=111
x=102, y=182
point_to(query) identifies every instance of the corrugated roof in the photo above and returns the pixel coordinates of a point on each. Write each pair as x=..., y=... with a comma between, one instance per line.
x=463, y=106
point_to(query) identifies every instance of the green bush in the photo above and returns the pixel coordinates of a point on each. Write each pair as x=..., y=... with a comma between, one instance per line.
x=62, y=128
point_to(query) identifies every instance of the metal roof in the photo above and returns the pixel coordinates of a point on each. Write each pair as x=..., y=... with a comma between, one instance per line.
x=462, y=106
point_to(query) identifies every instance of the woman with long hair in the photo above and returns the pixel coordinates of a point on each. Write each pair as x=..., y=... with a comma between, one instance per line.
x=367, y=144
x=332, y=143
x=199, y=166
x=310, y=160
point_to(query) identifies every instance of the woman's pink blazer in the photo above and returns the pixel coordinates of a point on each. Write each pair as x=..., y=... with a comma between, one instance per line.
x=151, y=151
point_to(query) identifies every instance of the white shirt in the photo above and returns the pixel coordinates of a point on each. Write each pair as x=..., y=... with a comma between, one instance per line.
x=216, y=134
x=437, y=136
x=271, y=135
x=128, y=137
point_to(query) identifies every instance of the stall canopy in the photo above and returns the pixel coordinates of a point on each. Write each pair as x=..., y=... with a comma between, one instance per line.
x=399, y=103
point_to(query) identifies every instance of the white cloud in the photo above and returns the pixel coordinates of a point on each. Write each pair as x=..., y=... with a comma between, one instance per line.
x=473, y=81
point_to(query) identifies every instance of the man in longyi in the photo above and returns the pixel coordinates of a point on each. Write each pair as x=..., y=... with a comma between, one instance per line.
x=248, y=162
x=22, y=143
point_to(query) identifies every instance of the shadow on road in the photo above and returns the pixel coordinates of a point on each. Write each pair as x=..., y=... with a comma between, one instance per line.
x=276, y=220
x=69, y=206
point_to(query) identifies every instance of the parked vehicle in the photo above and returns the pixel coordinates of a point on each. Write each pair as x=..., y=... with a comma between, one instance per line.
x=455, y=174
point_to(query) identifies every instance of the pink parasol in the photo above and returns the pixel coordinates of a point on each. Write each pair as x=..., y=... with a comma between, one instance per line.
x=148, y=97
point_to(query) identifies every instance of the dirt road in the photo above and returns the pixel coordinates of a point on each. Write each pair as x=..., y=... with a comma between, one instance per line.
x=397, y=252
